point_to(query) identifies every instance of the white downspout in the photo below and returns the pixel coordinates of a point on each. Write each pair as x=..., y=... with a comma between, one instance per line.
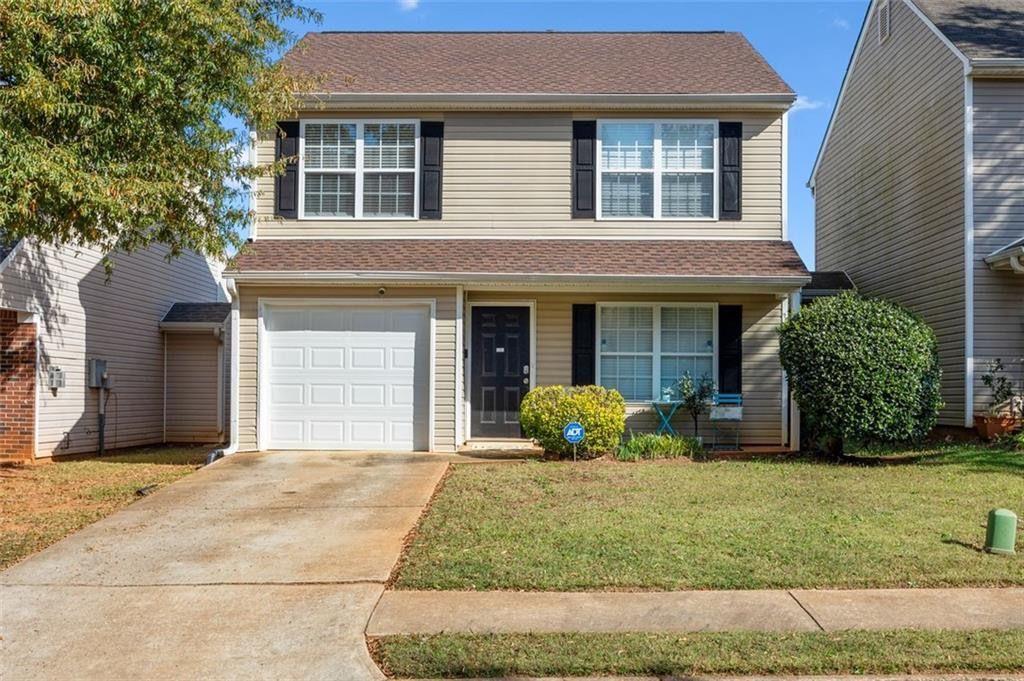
x=232, y=290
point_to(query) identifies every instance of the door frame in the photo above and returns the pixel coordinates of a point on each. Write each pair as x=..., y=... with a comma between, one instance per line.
x=468, y=344
x=262, y=407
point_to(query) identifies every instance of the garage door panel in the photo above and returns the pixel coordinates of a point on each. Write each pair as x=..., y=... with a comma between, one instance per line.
x=287, y=394
x=368, y=358
x=327, y=358
x=348, y=378
x=287, y=358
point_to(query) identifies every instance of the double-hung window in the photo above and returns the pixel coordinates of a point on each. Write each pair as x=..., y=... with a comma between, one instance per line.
x=359, y=169
x=644, y=349
x=660, y=170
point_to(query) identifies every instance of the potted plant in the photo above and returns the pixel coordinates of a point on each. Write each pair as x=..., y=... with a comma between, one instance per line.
x=1001, y=416
x=696, y=396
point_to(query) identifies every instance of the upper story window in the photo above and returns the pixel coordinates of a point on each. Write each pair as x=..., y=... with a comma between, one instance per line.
x=660, y=170
x=358, y=169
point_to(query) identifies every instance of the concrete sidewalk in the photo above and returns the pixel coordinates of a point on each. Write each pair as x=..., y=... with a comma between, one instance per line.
x=431, y=612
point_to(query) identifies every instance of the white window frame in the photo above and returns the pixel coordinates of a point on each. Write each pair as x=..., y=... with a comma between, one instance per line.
x=657, y=170
x=359, y=171
x=656, y=343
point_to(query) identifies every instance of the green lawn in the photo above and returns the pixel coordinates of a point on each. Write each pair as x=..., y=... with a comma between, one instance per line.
x=866, y=652
x=42, y=503
x=723, y=525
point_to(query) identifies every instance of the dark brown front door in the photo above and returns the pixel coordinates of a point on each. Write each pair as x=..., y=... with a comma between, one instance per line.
x=499, y=371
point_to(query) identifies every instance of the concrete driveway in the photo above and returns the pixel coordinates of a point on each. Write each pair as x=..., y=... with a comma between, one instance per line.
x=260, y=566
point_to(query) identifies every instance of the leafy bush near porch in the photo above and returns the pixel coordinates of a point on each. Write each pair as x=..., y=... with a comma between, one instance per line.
x=546, y=410
x=862, y=369
x=642, y=446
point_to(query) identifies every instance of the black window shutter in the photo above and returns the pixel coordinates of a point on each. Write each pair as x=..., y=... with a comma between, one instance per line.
x=286, y=186
x=730, y=169
x=584, y=158
x=730, y=348
x=431, y=162
x=584, y=329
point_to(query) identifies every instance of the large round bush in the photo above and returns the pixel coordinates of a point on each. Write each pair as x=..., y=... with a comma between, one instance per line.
x=545, y=411
x=862, y=369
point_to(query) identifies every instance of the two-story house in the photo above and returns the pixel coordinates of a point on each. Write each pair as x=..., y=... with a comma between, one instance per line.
x=919, y=183
x=467, y=215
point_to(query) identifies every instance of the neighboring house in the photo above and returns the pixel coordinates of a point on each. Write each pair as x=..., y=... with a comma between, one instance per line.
x=58, y=311
x=919, y=184
x=473, y=214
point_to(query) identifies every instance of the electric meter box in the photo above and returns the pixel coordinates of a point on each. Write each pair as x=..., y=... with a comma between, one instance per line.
x=97, y=373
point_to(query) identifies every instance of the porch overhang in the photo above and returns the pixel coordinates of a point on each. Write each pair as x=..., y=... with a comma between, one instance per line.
x=1009, y=258
x=697, y=265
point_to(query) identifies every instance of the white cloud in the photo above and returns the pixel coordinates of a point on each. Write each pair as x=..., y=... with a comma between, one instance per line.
x=841, y=23
x=408, y=5
x=806, y=104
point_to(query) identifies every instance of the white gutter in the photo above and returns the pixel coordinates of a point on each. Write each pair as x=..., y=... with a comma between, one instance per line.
x=1011, y=255
x=471, y=277
x=232, y=290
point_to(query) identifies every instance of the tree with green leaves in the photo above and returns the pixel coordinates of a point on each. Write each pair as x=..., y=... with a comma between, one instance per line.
x=114, y=118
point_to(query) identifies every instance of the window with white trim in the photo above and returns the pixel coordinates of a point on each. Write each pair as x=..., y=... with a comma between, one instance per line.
x=645, y=348
x=359, y=169
x=658, y=169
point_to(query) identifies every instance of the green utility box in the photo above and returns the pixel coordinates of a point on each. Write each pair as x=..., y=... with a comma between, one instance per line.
x=1002, y=532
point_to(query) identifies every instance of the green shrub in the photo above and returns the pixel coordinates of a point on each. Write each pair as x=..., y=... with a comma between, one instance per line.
x=650, y=446
x=862, y=369
x=546, y=410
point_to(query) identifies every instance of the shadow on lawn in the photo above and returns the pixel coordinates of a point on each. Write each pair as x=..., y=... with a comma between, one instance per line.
x=161, y=455
x=980, y=459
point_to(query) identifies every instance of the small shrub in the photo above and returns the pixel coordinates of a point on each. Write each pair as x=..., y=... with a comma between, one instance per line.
x=862, y=369
x=650, y=446
x=696, y=395
x=545, y=411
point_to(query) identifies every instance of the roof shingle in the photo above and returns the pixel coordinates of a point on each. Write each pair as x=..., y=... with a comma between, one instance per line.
x=197, y=313
x=510, y=258
x=534, y=63
x=981, y=29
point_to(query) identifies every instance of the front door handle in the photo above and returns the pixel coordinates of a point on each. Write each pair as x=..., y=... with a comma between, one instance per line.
x=526, y=370
x=526, y=381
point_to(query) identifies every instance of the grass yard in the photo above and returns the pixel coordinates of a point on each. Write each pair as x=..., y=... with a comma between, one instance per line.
x=43, y=503
x=861, y=652
x=724, y=525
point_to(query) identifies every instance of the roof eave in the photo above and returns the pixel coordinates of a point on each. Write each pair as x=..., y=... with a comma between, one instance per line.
x=779, y=101
x=789, y=282
x=997, y=67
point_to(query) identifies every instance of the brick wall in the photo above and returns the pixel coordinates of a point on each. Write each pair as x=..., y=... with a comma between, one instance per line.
x=17, y=386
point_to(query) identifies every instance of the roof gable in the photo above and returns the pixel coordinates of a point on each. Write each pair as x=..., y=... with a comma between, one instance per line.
x=548, y=63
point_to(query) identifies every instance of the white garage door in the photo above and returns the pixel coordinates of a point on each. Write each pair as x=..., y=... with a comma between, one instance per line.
x=346, y=377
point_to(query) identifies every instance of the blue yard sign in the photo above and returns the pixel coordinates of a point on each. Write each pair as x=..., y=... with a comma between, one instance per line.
x=573, y=432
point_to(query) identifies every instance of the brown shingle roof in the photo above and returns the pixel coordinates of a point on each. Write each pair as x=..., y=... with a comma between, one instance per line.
x=535, y=63
x=981, y=29
x=510, y=258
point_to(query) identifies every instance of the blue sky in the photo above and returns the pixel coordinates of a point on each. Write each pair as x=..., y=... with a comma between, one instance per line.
x=808, y=42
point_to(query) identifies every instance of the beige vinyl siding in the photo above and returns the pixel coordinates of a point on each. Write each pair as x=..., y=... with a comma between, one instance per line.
x=194, y=387
x=444, y=351
x=998, y=221
x=889, y=191
x=762, y=373
x=82, y=316
x=509, y=175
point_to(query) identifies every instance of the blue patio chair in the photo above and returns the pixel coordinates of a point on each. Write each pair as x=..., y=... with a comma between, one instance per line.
x=727, y=408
